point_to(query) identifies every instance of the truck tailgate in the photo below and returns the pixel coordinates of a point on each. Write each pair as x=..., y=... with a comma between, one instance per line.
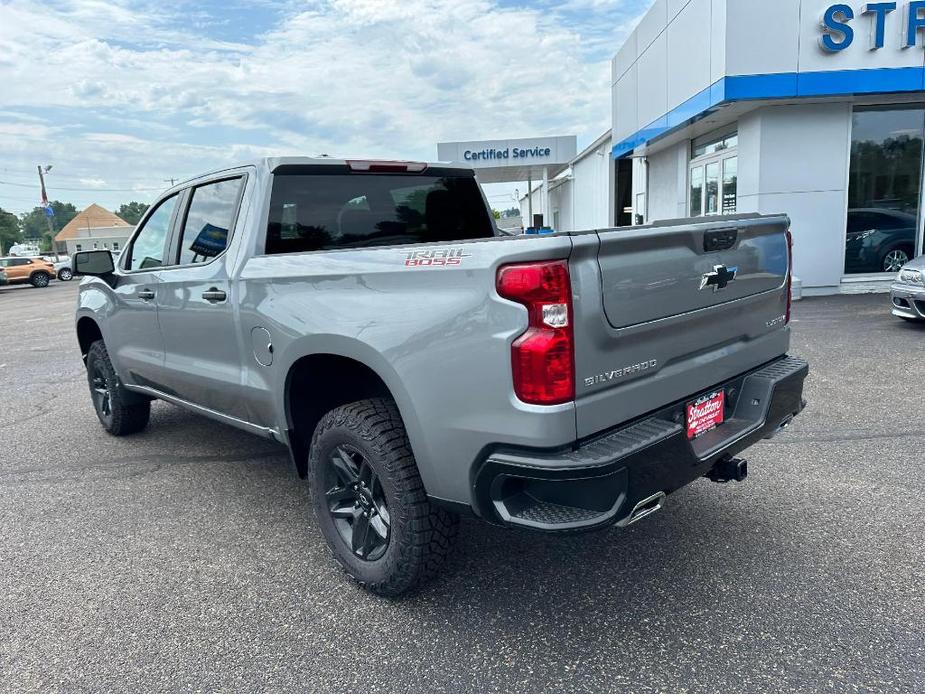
x=662, y=313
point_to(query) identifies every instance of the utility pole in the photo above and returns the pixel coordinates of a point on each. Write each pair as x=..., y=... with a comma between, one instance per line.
x=171, y=181
x=46, y=204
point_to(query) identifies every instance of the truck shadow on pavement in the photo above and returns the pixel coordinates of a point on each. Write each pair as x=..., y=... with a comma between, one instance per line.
x=646, y=572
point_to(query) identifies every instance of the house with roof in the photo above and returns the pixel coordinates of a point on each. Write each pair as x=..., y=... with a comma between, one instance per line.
x=94, y=228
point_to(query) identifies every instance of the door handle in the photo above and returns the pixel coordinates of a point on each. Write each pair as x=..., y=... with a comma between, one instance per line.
x=214, y=295
x=145, y=294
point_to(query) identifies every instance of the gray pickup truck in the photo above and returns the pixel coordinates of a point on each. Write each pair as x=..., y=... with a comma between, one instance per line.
x=420, y=366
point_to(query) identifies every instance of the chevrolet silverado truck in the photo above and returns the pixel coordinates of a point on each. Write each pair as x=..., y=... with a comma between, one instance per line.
x=419, y=366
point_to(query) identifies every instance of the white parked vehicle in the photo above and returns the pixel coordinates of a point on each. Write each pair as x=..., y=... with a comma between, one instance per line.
x=24, y=250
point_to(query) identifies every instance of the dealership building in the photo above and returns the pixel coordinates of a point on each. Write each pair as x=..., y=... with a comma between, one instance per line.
x=805, y=107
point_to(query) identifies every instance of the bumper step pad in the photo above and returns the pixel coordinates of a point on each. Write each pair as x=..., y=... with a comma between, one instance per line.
x=593, y=485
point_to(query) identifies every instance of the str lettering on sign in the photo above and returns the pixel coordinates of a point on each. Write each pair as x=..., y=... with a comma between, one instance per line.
x=838, y=32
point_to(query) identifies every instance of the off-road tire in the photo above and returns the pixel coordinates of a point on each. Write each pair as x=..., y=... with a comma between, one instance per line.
x=40, y=280
x=421, y=534
x=127, y=413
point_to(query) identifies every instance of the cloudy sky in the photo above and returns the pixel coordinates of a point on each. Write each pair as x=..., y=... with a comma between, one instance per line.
x=121, y=96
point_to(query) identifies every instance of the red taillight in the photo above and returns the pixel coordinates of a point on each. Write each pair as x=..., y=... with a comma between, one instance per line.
x=789, y=274
x=543, y=358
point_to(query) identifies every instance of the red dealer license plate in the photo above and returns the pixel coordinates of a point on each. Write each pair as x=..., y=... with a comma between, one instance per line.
x=705, y=414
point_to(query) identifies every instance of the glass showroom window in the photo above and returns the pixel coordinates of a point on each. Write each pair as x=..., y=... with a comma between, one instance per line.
x=714, y=175
x=883, y=225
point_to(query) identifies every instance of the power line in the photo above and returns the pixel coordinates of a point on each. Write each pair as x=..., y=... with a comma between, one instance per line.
x=86, y=190
x=19, y=172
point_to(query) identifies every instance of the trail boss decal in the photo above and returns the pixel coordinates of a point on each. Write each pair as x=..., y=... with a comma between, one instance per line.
x=621, y=373
x=436, y=257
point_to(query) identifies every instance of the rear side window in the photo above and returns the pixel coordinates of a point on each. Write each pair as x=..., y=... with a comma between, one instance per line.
x=209, y=220
x=316, y=212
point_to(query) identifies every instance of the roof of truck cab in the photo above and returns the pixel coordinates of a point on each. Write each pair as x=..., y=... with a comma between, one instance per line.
x=273, y=163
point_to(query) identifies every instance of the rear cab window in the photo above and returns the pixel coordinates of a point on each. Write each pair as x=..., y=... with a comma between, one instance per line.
x=332, y=207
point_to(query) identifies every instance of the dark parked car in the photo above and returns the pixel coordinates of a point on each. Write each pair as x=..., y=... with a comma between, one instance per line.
x=879, y=240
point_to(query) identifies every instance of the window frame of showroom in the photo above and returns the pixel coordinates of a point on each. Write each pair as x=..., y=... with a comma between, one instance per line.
x=719, y=148
x=852, y=179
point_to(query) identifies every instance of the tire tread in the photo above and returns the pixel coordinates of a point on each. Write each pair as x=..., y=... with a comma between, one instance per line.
x=430, y=531
x=126, y=418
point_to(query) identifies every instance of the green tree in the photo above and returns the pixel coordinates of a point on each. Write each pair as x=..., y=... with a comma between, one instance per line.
x=132, y=211
x=34, y=224
x=496, y=214
x=9, y=230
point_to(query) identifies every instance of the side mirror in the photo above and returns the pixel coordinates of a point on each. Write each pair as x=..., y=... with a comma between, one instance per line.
x=93, y=263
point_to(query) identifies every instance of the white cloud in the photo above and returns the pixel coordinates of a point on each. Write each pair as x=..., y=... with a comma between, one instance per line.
x=362, y=77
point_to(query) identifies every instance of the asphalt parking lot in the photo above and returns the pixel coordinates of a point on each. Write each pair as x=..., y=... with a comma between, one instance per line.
x=186, y=558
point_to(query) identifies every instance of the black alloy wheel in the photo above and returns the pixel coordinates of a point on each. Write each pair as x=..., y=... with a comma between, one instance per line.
x=100, y=394
x=120, y=412
x=370, y=502
x=356, y=501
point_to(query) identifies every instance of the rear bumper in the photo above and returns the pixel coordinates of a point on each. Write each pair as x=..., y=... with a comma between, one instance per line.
x=601, y=481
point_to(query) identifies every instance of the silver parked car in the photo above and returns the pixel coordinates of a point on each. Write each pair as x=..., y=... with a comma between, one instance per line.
x=908, y=291
x=63, y=269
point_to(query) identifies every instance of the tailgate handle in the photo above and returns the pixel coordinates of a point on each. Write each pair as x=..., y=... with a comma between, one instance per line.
x=721, y=240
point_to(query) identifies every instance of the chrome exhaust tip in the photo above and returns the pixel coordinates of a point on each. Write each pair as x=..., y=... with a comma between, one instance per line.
x=780, y=427
x=644, y=508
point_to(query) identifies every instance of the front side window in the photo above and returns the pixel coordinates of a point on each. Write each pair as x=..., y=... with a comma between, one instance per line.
x=209, y=221
x=148, y=248
x=312, y=212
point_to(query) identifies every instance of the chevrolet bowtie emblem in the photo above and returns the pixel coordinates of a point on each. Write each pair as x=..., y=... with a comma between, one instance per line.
x=719, y=278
